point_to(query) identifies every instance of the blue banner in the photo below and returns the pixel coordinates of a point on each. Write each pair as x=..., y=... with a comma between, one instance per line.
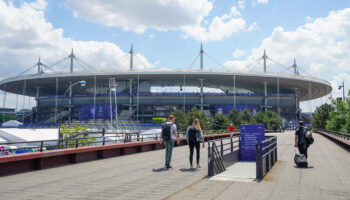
x=250, y=134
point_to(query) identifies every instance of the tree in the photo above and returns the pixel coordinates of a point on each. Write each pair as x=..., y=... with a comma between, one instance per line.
x=233, y=117
x=221, y=122
x=321, y=116
x=6, y=118
x=337, y=118
x=193, y=114
x=270, y=120
x=180, y=120
x=246, y=117
x=76, y=131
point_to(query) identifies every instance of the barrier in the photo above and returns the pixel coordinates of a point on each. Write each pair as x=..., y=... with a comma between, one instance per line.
x=342, y=139
x=222, y=153
x=40, y=160
x=266, y=156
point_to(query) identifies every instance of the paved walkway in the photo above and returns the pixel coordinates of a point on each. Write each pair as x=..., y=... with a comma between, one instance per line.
x=137, y=176
x=142, y=176
x=328, y=177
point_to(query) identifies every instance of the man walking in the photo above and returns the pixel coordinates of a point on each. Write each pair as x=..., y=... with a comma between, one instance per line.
x=300, y=138
x=167, y=136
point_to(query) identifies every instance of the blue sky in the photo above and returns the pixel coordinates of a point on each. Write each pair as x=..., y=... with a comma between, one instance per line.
x=167, y=34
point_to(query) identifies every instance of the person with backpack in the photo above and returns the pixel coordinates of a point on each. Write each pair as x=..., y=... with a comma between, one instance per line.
x=302, y=140
x=194, y=137
x=167, y=136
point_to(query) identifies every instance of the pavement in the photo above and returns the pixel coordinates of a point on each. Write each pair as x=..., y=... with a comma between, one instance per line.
x=142, y=176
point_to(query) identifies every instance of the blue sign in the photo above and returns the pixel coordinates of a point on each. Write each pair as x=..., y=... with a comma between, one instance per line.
x=250, y=134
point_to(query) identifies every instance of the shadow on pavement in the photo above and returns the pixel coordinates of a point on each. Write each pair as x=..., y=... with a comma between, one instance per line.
x=309, y=167
x=188, y=169
x=160, y=169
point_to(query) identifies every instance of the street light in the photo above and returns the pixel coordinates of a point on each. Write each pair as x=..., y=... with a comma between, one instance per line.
x=82, y=83
x=340, y=87
x=112, y=87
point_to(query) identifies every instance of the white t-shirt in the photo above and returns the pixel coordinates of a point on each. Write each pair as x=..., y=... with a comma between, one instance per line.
x=172, y=129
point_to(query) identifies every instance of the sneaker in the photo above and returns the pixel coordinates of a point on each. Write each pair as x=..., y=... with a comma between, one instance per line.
x=198, y=166
x=169, y=166
x=191, y=167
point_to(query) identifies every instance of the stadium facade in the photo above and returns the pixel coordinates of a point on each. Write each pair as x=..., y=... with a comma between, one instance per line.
x=132, y=92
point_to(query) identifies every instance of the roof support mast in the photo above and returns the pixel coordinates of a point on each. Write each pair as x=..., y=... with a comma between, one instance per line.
x=71, y=56
x=295, y=68
x=264, y=57
x=201, y=53
x=39, y=66
x=131, y=58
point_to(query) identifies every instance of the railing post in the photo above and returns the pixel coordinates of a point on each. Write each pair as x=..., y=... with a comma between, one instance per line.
x=41, y=146
x=231, y=144
x=76, y=143
x=222, y=148
x=258, y=162
x=142, y=137
x=103, y=136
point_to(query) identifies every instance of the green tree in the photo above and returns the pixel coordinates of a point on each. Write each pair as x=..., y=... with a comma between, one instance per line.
x=233, y=117
x=193, y=114
x=221, y=122
x=180, y=120
x=269, y=118
x=246, y=117
x=6, y=118
x=337, y=118
x=321, y=116
x=76, y=131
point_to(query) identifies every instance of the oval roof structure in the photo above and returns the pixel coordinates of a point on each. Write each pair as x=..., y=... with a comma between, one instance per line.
x=253, y=80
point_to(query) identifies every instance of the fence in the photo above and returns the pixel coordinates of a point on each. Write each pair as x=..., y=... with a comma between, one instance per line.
x=345, y=136
x=222, y=153
x=40, y=146
x=266, y=156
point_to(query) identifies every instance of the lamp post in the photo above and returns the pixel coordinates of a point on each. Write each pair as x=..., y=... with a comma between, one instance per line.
x=81, y=83
x=340, y=87
x=112, y=87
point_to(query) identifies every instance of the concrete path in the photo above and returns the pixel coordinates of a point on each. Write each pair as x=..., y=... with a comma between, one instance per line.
x=328, y=176
x=138, y=176
x=142, y=176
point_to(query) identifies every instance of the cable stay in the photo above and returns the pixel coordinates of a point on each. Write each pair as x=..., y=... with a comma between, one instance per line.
x=213, y=59
x=87, y=65
x=192, y=63
x=25, y=71
x=142, y=63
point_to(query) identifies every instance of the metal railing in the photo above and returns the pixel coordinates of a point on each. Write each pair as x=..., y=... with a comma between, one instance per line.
x=266, y=156
x=345, y=136
x=222, y=153
x=44, y=145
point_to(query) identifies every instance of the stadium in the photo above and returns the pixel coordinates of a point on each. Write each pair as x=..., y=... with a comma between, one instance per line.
x=143, y=95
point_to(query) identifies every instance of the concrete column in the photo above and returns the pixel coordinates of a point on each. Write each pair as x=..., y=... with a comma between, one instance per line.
x=296, y=104
x=130, y=94
x=202, y=98
x=265, y=96
x=37, y=103
x=234, y=91
x=70, y=102
x=56, y=100
x=24, y=99
x=94, y=117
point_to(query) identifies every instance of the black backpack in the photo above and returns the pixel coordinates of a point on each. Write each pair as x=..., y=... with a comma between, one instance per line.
x=193, y=135
x=166, y=127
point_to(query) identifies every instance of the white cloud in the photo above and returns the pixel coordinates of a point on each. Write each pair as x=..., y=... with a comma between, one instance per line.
x=150, y=36
x=142, y=14
x=25, y=35
x=263, y=1
x=238, y=53
x=187, y=16
x=241, y=4
x=252, y=27
x=320, y=47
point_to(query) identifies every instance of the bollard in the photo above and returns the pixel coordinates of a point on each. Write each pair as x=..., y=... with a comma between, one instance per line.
x=231, y=144
x=41, y=146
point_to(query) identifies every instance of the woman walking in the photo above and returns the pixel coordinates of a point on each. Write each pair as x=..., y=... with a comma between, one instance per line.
x=194, y=137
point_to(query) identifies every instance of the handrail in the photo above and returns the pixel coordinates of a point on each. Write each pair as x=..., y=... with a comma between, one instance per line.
x=338, y=134
x=266, y=156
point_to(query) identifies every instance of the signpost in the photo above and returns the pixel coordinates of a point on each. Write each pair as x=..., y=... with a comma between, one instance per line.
x=250, y=134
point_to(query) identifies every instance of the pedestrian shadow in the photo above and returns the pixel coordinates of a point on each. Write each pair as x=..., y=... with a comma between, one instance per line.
x=308, y=167
x=160, y=169
x=188, y=169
